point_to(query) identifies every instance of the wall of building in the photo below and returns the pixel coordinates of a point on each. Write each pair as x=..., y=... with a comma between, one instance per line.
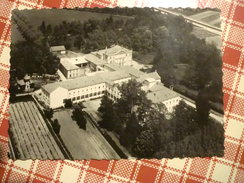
x=57, y=97
x=123, y=58
x=170, y=104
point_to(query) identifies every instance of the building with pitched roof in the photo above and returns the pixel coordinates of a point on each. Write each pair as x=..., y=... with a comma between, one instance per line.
x=116, y=54
x=107, y=72
x=83, y=88
x=72, y=64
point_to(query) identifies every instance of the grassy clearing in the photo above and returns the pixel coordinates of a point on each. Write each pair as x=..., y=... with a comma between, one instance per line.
x=57, y=16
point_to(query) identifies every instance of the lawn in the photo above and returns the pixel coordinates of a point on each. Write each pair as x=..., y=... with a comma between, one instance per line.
x=57, y=16
x=83, y=144
x=30, y=133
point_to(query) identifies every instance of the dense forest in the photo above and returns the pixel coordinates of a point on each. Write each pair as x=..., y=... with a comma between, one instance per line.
x=145, y=131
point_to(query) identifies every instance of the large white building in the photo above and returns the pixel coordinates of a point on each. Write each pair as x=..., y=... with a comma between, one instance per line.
x=106, y=72
x=115, y=54
x=83, y=88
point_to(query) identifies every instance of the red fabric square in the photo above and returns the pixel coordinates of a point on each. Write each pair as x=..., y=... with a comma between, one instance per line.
x=92, y=177
x=4, y=127
x=237, y=107
x=196, y=163
x=38, y=181
x=2, y=25
x=230, y=149
x=146, y=174
x=242, y=158
x=101, y=165
x=2, y=170
x=231, y=56
x=4, y=149
x=4, y=81
x=239, y=14
x=17, y=176
x=226, y=98
x=52, y=4
x=170, y=177
x=46, y=169
x=239, y=176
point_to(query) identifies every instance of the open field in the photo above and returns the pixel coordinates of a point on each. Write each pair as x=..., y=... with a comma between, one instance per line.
x=57, y=16
x=31, y=135
x=83, y=144
x=209, y=17
x=209, y=37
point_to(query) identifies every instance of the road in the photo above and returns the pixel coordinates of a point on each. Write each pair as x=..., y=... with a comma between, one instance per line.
x=206, y=26
x=215, y=115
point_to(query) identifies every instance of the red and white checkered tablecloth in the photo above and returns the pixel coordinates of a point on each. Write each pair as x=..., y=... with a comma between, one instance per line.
x=230, y=168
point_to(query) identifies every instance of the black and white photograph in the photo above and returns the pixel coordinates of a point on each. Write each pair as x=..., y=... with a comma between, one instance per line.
x=115, y=83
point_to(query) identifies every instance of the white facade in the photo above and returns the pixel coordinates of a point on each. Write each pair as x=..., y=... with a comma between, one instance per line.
x=57, y=97
x=171, y=103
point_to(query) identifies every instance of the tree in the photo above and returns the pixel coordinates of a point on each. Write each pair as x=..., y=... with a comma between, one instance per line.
x=48, y=113
x=42, y=27
x=131, y=132
x=131, y=94
x=56, y=126
x=144, y=146
x=203, y=109
x=163, y=63
x=202, y=106
x=184, y=120
x=108, y=114
x=78, y=116
x=68, y=103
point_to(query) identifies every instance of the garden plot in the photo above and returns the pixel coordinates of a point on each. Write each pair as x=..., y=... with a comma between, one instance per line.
x=31, y=135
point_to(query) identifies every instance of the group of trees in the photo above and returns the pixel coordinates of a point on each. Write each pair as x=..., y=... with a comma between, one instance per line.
x=78, y=116
x=48, y=112
x=32, y=55
x=145, y=131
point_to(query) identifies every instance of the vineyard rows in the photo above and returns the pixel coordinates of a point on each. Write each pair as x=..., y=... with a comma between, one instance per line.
x=31, y=135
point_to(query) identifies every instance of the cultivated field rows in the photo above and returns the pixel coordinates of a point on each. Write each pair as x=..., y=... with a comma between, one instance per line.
x=31, y=134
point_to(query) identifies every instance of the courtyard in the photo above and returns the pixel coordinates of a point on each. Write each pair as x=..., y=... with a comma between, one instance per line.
x=83, y=144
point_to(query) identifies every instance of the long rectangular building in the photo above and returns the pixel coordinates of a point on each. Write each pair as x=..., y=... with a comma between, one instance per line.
x=82, y=88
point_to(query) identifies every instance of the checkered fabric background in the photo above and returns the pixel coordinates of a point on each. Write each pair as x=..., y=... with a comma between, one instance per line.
x=230, y=168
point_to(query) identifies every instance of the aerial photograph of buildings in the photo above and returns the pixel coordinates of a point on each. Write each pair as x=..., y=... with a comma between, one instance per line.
x=115, y=83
